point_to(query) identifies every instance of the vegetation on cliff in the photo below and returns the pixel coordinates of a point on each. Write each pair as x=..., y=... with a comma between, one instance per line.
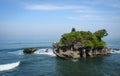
x=87, y=38
x=81, y=44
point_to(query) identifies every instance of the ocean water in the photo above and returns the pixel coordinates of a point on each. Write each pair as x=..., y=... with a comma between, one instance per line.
x=14, y=63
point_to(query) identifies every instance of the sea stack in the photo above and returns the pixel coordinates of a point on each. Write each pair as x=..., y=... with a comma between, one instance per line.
x=81, y=44
x=29, y=50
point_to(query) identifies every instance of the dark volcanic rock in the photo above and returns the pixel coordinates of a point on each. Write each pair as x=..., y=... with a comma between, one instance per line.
x=29, y=50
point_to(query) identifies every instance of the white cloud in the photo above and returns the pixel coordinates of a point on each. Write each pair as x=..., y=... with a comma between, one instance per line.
x=89, y=11
x=97, y=12
x=116, y=5
x=52, y=7
x=87, y=17
x=111, y=3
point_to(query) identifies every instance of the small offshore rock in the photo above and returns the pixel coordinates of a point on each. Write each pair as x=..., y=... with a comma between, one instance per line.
x=29, y=50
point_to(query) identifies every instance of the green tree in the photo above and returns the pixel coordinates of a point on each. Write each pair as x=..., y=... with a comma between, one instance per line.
x=101, y=33
x=73, y=30
x=86, y=35
x=89, y=44
x=70, y=38
x=87, y=38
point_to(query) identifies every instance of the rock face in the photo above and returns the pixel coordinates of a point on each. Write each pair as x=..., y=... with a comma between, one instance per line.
x=77, y=51
x=29, y=50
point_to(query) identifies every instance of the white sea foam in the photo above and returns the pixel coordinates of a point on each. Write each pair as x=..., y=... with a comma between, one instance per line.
x=43, y=52
x=9, y=66
x=115, y=51
x=74, y=60
x=39, y=51
x=18, y=52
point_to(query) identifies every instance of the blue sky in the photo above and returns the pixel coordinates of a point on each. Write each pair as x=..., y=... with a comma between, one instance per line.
x=51, y=18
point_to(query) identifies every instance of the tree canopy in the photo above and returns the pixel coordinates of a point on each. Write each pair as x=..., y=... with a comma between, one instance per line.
x=87, y=38
x=101, y=33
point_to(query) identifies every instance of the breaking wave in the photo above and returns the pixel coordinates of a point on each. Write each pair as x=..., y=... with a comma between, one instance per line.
x=115, y=51
x=18, y=52
x=43, y=52
x=39, y=51
x=9, y=66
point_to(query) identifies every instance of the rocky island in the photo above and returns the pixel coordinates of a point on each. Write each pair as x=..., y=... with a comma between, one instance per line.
x=81, y=44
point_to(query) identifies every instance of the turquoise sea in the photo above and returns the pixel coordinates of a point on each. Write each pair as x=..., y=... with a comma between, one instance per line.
x=14, y=63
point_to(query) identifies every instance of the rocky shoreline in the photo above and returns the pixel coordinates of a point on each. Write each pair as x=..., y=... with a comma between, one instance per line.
x=76, y=52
